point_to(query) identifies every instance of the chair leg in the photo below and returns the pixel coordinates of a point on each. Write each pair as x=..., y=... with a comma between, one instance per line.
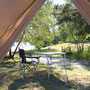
x=37, y=67
x=24, y=72
x=21, y=70
x=25, y=69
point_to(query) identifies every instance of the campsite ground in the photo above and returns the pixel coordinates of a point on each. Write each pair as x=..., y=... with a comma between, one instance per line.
x=78, y=78
x=78, y=74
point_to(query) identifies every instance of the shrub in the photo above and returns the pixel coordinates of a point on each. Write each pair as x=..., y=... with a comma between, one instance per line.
x=85, y=55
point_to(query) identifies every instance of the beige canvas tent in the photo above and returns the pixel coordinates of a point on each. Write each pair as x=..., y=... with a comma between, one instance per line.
x=16, y=14
x=84, y=8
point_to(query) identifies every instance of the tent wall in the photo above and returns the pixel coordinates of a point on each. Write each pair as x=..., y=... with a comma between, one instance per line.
x=14, y=16
x=84, y=8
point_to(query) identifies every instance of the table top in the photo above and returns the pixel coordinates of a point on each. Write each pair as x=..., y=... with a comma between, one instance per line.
x=51, y=53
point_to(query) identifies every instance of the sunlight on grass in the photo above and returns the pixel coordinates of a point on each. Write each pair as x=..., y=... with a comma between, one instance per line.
x=58, y=47
x=70, y=49
x=76, y=74
x=10, y=78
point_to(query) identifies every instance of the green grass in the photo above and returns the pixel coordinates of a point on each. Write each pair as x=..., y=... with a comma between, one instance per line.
x=85, y=55
x=79, y=79
x=58, y=47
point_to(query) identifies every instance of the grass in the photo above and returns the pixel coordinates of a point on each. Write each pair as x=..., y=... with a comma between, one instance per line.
x=79, y=79
x=85, y=55
x=58, y=47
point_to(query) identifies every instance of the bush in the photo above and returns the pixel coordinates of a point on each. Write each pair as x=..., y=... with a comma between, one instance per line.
x=85, y=55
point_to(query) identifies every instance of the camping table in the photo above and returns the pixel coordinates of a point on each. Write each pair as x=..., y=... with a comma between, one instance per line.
x=54, y=53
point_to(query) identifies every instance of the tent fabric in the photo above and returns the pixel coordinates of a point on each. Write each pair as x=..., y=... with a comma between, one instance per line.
x=84, y=8
x=14, y=16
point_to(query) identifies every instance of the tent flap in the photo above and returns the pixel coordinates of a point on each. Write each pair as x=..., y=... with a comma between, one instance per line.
x=14, y=16
x=84, y=8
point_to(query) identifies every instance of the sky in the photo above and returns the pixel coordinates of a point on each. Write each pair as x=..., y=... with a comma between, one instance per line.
x=58, y=2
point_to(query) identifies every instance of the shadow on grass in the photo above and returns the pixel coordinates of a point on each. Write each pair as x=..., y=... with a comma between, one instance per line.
x=40, y=81
x=8, y=63
x=7, y=68
x=6, y=75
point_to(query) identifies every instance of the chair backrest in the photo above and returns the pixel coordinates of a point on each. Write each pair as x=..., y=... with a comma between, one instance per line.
x=22, y=55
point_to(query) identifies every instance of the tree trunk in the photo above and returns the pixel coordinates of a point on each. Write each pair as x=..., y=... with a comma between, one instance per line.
x=10, y=54
x=80, y=47
x=15, y=50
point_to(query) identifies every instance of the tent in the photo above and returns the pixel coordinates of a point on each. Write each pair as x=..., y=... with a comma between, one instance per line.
x=84, y=8
x=16, y=14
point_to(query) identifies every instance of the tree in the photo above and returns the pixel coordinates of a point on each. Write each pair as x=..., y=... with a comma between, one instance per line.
x=72, y=26
x=12, y=54
x=38, y=31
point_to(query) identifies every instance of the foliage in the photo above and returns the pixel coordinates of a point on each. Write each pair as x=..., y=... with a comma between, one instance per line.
x=85, y=55
x=20, y=39
x=71, y=50
x=38, y=31
x=72, y=26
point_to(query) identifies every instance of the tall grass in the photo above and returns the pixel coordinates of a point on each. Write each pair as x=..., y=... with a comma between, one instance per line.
x=71, y=50
x=85, y=55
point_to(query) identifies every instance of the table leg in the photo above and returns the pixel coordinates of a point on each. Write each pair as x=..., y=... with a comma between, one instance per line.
x=65, y=67
x=51, y=64
x=48, y=65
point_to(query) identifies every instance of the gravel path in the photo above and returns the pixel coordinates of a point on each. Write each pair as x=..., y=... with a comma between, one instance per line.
x=59, y=62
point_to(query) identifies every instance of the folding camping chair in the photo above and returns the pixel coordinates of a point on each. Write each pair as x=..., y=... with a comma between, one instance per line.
x=26, y=67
